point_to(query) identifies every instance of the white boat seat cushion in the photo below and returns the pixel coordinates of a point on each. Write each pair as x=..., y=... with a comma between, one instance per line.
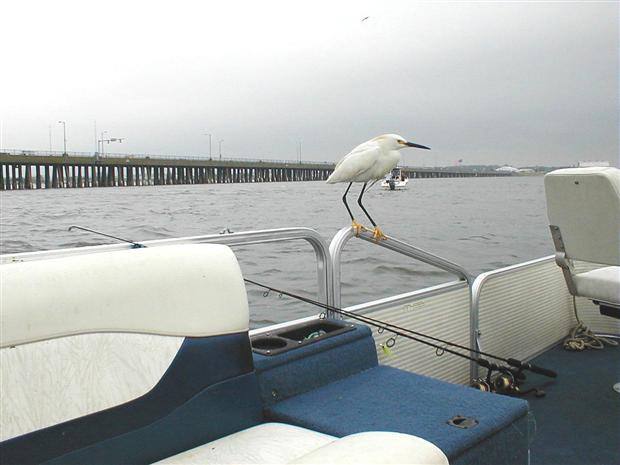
x=602, y=284
x=266, y=443
x=585, y=204
x=377, y=447
x=280, y=443
x=177, y=290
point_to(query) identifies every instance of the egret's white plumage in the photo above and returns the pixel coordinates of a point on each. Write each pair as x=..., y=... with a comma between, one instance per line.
x=369, y=161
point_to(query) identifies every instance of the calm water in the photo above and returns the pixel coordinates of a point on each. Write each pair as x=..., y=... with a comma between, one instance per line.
x=480, y=223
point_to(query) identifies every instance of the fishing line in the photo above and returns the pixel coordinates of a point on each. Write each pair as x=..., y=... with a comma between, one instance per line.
x=407, y=333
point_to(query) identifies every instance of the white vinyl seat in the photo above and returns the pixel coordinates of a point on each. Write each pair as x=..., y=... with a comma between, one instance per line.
x=280, y=443
x=376, y=447
x=583, y=206
x=602, y=285
x=276, y=443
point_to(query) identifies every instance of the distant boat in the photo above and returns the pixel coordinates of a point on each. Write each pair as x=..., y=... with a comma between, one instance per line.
x=507, y=169
x=396, y=180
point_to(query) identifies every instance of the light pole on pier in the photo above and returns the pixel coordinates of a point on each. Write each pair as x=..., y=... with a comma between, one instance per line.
x=220, y=142
x=107, y=141
x=100, y=141
x=64, y=133
x=209, y=145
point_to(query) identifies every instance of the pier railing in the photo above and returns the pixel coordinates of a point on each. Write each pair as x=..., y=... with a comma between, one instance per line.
x=146, y=156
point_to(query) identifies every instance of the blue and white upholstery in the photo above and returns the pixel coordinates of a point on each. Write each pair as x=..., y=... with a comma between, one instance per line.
x=142, y=355
x=143, y=346
x=583, y=206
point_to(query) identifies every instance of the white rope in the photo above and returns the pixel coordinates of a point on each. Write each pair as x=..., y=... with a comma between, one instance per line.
x=581, y=338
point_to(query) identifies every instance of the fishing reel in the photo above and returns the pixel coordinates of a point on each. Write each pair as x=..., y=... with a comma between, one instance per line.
x=506, y=381
x=503, y=383
x=481, y=385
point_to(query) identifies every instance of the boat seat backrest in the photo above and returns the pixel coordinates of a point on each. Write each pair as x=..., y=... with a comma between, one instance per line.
x=584, y=203
x=124, y=357
x=175, y=291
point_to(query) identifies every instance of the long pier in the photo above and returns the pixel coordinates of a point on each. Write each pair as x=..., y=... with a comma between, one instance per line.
x=24, y=169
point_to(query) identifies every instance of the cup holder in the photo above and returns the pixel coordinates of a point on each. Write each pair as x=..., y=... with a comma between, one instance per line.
x=268, y=344
x=300, y=335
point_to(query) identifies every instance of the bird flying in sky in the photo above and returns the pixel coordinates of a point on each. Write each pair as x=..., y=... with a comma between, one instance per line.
x=369, y=161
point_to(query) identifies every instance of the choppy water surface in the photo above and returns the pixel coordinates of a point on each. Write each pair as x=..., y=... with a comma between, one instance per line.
x=480, y=223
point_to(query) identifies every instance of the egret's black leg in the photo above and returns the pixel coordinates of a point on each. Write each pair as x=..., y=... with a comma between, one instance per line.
x=355, y=225
x=344, y=199
x=359, y=202
x=377, y=233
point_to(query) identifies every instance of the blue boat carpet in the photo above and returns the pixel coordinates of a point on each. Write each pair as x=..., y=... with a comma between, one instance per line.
x=578, y=421
x=387, y=399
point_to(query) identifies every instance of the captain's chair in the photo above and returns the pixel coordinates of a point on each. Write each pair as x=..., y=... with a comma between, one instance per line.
x=583, y=206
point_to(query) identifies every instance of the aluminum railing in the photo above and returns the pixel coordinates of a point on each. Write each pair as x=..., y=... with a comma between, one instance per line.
x=344, y=235
x=321, y=250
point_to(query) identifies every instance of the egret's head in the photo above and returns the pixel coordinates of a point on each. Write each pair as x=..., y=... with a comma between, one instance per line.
x=396, y=142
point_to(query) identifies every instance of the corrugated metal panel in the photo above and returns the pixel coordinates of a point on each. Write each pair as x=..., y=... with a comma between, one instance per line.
x=524, y=311
x=443, y=315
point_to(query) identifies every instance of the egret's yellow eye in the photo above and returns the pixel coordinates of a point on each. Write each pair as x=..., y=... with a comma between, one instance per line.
x=400, y=141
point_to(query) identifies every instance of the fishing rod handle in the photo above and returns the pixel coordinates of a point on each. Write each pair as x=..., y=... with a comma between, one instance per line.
x=532, y=368
x=542, y=371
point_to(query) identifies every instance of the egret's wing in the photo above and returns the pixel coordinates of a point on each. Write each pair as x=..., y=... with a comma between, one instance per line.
x=366, y=146
x=359, y=160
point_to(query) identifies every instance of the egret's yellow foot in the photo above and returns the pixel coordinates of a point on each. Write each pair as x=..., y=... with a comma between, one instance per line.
x=378, y=235
x=358, y=228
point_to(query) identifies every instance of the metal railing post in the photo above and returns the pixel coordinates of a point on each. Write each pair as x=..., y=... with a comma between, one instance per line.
x=345, y=234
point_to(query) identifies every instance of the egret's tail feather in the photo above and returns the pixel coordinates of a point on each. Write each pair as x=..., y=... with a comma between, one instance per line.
x=332, y=179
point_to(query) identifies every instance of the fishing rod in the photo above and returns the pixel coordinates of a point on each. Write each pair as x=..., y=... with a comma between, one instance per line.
x=507, y=381
x=136, y=245
x=407, y=333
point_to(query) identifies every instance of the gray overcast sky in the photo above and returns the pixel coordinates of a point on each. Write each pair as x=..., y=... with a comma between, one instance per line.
x=515, y=83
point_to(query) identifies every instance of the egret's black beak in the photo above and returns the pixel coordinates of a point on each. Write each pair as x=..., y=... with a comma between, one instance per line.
x=417, y=146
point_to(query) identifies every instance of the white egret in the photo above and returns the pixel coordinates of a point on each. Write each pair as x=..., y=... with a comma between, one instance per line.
x=369, y=161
